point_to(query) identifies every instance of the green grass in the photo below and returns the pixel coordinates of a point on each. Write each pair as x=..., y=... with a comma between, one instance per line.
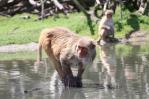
x=15, y=30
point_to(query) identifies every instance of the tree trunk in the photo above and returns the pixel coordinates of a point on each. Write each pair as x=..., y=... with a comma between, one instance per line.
x=144, y=8
x=88, y=16
x=80, y=7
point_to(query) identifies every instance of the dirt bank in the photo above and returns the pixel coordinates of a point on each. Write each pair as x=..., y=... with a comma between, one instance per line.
x=136, y=37
x=16, y=47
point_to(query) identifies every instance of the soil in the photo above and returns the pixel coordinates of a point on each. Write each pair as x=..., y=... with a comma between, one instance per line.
x=134, y=37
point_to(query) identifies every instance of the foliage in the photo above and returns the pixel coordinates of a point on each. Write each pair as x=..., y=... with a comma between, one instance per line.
x=129, y=22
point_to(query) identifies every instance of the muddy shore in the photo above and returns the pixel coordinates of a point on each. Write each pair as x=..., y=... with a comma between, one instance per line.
x=19, y=47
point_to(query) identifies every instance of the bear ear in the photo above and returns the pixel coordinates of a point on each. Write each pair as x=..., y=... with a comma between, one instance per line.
x=92, y=45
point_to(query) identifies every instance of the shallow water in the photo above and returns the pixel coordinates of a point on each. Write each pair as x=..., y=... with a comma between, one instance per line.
x=124, y=69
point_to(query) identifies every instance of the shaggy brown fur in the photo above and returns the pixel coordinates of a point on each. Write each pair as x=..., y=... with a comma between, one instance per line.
x=61, y=46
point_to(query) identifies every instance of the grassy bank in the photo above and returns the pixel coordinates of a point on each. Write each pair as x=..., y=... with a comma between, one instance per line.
x=16, y=30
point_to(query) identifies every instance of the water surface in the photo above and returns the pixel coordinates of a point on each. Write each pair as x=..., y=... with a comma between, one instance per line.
x=125, y=68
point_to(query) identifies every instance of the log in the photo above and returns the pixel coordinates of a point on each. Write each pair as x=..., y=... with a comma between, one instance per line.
x=57, y=4
x=34, y=3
